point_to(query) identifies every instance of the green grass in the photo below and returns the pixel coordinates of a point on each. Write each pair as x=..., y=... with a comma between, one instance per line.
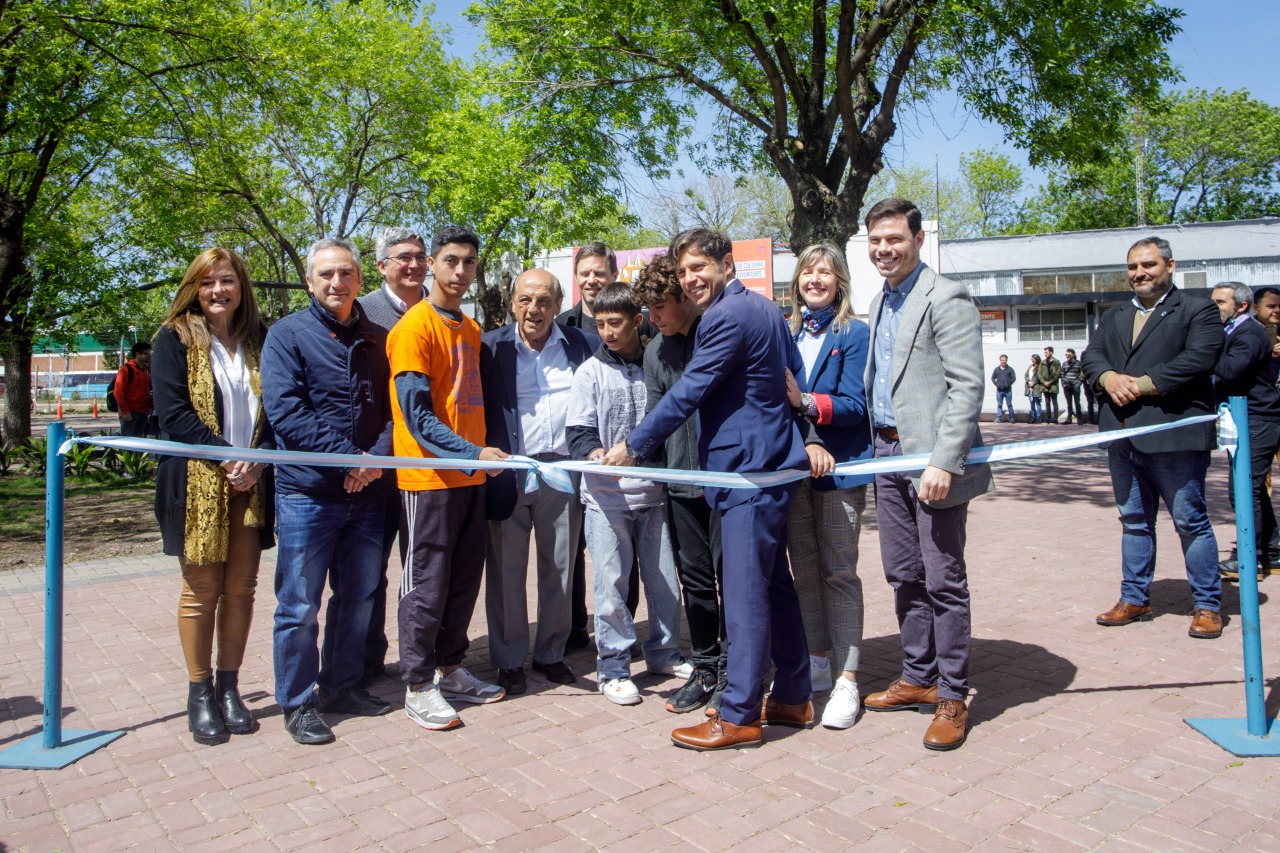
x=22, y=499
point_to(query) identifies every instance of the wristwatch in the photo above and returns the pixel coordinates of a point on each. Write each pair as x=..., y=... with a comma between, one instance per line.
x=631, y=451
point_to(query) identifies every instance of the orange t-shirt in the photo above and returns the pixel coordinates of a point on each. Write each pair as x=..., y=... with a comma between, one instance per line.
x=448, y=354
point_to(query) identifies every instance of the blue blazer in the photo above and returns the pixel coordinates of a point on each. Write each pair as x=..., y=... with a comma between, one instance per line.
x=736, y=384
x=501, y=417
x=837, y=380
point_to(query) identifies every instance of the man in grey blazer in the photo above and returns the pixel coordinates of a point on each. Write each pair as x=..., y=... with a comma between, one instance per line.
x=924, y=386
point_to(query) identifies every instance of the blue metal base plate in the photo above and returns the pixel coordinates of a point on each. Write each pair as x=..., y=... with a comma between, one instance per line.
x=1233, y=736
x=76, y=744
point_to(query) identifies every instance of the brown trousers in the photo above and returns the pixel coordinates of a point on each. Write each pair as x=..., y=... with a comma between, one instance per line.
x=219, y=597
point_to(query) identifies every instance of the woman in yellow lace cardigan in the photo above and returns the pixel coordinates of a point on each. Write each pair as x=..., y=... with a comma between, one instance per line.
x=216, y=518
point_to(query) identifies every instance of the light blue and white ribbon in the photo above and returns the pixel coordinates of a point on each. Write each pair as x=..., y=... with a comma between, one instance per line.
x=557, y=474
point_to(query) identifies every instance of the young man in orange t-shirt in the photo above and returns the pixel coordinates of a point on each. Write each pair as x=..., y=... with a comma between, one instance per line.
x=438, y=411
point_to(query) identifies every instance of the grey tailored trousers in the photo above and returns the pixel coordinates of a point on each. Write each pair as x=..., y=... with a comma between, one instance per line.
x=922, y=550
x=555, y=521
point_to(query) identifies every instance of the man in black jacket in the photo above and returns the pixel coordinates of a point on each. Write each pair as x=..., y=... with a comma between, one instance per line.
x=1154, y=356
x=1244, y=370
x=1071, y=386
x=1003, y=378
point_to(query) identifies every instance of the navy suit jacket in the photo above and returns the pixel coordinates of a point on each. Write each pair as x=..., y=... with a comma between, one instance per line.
x=1178, y=348
x=501, y=417
x=736, y=384
x=838, y=375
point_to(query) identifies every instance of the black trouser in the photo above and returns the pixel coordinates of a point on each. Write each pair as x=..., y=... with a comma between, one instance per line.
x=1264, y=439
x=695, y=537
x=1089, y=397
x=1071, y=394
x=1050, y=407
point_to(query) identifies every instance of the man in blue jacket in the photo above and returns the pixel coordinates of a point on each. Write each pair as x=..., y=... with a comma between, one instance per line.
x=326, y=389
x=736, y=382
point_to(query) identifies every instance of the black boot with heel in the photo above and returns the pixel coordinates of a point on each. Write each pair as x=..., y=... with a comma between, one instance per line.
x=236, y=716
x=204, y=718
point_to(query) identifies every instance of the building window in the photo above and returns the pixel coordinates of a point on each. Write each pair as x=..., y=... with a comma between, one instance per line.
x=1195, y=279
x=1074, y=282
x=1051, y=324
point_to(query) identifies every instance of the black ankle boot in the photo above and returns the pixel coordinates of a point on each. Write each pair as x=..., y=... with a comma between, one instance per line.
x=236, y=716
x=204, y=718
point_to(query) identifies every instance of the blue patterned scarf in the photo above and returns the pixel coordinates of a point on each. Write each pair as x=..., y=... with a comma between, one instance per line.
x=815, y=321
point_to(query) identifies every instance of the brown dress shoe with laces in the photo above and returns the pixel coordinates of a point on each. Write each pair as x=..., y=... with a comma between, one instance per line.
x=1205, y=624
x=716, y=733
x=950, y=725
x=1124, y=613
x=777, y=713
x=903, y=696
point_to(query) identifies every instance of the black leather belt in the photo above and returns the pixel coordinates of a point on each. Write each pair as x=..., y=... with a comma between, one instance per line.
x=887, y=433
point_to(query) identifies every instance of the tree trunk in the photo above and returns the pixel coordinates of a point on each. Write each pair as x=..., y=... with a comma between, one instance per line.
x=15, y=331
x=820, y=214
x=489, y=298
x=16, y=351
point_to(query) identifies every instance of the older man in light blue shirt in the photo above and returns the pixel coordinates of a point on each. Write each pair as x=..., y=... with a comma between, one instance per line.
x=526, y=370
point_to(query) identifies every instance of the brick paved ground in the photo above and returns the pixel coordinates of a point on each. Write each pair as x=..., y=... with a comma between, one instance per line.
x=1078, y=739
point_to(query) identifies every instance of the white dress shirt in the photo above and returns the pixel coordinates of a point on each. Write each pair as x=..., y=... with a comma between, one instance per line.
x=239, y=403
x=543, y=380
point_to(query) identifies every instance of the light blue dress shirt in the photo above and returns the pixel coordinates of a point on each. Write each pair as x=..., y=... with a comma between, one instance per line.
x=882, y=348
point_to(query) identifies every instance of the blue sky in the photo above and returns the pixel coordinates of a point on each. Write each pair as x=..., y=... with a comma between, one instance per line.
x=1227, y=44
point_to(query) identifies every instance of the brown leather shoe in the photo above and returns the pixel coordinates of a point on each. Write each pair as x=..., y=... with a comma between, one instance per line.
x=777, y=713
x=1124, y=613
x=716, y=733
x=950, y=725
x=902, y=696
x=1205, y=624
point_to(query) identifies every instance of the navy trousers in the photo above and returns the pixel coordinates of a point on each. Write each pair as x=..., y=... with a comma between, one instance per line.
x=761, y=609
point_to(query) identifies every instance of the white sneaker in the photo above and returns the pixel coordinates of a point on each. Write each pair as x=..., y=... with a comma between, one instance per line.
x=819, y=673
x=620, y=691
x=680, y=669
x=429, y=709
x=843, y=706
x=462, y=686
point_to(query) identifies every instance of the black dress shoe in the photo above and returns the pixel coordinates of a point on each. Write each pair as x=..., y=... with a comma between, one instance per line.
x=227, y=694
x=695, y=693
x=577, y=640
x=355, y=702
x=556, y=673
x=512, y=680
x=306, y=726
x=203, y=717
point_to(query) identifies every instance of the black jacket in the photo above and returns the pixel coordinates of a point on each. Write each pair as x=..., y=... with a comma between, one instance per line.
x=664, y=361
x=1244, y=370
x=1177, y=349
x=179, y=422
x=1004, y=378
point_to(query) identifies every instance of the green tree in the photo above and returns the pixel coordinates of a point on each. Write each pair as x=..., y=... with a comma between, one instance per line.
x=1202, y=156
x=814, y=90
x=993, y=183
x=939, y=197
x=78, y=80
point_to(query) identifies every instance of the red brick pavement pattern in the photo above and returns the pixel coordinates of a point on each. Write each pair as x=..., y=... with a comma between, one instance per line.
x=1078, y=739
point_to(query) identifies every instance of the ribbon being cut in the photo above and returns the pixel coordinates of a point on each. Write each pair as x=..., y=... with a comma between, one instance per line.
x=556, y=474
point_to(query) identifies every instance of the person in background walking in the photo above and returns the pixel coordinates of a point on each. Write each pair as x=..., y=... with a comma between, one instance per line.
x=133, y=391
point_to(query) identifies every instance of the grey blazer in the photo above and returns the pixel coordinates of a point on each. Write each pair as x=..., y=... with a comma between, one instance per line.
x=937, y=382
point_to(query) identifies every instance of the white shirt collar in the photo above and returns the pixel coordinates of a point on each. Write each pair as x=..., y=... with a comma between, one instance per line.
x=555, y=337
x=396, y=300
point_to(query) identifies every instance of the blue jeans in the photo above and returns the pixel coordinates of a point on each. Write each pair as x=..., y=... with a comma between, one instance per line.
x=1005, y=397
x=1139, y=480
x=315, y=537
x=1035, y=409
x=615, y=540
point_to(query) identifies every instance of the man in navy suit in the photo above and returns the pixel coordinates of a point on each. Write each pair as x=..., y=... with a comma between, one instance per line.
x=736, y=382
x=526, y=371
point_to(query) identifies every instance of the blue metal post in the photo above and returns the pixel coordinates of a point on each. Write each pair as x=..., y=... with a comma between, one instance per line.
x=1247, y=554
x=53, y=748
x=54, y=499
x=1255, y=735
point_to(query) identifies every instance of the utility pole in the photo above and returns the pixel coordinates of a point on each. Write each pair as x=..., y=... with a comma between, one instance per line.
x=1139, y=166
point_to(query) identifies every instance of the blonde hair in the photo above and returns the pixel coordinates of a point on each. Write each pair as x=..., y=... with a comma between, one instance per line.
x=823, y=251
x=186, y=318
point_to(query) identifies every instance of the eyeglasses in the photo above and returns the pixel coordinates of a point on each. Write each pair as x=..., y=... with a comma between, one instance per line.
x=405, y=259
